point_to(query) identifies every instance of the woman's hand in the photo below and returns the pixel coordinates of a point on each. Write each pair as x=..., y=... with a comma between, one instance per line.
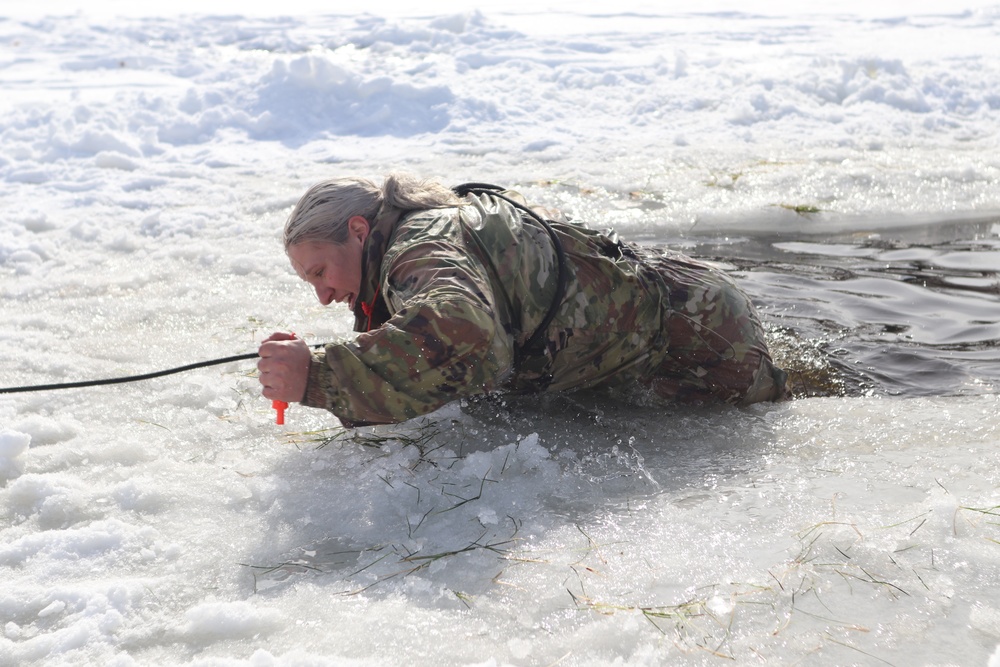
x=284, y=367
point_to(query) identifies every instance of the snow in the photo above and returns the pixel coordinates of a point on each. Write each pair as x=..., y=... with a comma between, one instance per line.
x=149, y=157
x=12, y=445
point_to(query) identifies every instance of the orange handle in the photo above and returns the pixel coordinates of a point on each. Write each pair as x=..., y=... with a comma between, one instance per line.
x=280, y=407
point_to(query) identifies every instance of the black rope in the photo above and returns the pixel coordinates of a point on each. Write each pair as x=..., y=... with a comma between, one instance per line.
x=132, y=378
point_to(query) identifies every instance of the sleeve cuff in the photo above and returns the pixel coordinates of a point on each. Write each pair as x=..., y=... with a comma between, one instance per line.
x=319, y=389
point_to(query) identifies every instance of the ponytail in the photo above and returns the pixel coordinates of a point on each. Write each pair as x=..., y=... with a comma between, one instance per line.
x=323, y=211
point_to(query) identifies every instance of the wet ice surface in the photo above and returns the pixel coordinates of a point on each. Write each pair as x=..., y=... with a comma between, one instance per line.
x=821, y=529
x=148, y=163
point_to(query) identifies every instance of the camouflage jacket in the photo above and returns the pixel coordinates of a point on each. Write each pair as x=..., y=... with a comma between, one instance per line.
x=450, y=296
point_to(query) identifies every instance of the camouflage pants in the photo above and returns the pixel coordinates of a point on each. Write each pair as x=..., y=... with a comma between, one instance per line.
x=716, y=347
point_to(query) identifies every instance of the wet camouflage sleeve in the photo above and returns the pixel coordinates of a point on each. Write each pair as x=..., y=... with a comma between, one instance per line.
x=444, y=340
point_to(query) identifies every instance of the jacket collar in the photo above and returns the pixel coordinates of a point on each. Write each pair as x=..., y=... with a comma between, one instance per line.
x=370, y=309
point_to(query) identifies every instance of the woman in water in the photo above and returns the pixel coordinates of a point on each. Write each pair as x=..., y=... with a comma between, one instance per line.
x=466, y=291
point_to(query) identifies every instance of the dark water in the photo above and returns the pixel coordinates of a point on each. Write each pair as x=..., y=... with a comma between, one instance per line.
x=908, y=312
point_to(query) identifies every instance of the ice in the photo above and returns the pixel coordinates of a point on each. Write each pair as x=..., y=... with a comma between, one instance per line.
x=150, y=156
x=12, y=445
x=226, y=620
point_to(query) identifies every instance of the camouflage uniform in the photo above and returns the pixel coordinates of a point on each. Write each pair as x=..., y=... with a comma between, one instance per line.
x=450, y=296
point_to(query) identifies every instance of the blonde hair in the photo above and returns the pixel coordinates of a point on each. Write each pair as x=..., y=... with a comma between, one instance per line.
x=321, y=214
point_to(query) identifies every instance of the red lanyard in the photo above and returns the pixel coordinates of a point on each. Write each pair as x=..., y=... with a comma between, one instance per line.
x=368, y=308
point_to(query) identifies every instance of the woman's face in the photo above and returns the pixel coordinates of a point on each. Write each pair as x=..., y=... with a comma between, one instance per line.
x=333, y=269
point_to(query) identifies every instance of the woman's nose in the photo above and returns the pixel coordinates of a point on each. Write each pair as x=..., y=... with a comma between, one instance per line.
x=324, y=294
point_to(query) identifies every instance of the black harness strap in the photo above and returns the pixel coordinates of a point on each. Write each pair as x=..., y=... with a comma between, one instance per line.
x=535, y=345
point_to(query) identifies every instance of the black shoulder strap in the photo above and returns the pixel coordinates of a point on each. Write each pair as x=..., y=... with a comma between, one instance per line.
x=535, y=345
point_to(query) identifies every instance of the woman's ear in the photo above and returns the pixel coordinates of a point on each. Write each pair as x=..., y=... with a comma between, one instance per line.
x=358, y=227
